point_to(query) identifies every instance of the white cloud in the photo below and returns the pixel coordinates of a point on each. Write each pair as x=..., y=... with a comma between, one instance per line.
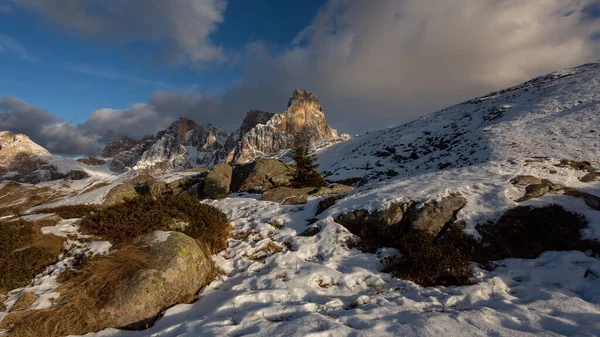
x=12, y=45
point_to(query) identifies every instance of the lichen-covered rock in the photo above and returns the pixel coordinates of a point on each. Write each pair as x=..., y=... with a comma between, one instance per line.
x=538, y=190
x=285, y=192
x=178, y=268
x=590, y=177
x=218, y=181
x=523, y=180
x=333, y=189
x=591, y=200
x=577, y=165
x=433, y=216
x=119, y=193
x=261, y=174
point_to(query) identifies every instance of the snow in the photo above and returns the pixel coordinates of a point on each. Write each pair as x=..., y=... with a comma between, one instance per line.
x=317, y=286
x=161, y=236
x=63, y=228
x=322, y=288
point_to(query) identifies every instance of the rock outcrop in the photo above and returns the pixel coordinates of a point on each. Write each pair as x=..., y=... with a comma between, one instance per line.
x=177, y=269
x=181, y=146
x=218, y=181
x=261, y=174
x=273, y=133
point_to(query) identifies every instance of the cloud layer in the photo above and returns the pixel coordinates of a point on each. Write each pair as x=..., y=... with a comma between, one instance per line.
x=372, y=64
x=185, y=24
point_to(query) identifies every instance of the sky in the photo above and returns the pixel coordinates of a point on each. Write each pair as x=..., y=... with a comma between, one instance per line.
x=77, y=73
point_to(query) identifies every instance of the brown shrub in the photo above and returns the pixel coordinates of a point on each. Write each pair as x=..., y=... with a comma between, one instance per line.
x=123, y=222
x=72, y=211
x=84, y=295
x=431, y=262
x=326, y=203
x=24, y=252
x=526, y=232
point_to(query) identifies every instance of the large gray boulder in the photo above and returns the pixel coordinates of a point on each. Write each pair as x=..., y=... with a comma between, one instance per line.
x=177, y=269
x=433, y=216
x=261, y=174
x=218, y=181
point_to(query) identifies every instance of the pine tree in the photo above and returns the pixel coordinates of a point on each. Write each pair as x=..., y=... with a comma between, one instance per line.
x=305, y=172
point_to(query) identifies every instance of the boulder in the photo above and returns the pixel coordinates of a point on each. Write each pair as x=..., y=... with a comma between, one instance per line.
x=178, y=268
x=262, y=174
x=311, y=231
x=590, y=177
x=218, y=181
x=577, y=165
x=158, y=187
x=382, y=227
x=119, y=193
x=285, y=192
x=433, y=216
x=523, y=180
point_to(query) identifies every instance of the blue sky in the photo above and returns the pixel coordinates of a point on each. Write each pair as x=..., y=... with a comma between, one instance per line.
x=72, y=77
x=76, y=73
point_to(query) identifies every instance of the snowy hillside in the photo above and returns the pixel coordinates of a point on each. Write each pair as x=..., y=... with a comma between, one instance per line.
x=318, y=287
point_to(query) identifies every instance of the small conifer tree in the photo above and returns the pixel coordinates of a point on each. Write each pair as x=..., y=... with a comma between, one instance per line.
x=305, y=171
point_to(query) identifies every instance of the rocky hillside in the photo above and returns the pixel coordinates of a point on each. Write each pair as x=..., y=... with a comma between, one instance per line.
x=186, y=144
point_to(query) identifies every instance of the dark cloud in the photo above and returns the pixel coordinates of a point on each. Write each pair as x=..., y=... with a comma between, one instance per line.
x=186, y=24
x=45, y=129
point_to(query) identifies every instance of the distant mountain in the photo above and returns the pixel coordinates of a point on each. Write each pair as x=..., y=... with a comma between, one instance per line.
x=185, y=144
x=23, y=160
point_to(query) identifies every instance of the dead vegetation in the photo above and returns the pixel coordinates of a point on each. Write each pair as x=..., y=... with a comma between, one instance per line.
x=16, y=198
x=88, y=290
x=72, y=211
x=24, y=252
x=123, y=222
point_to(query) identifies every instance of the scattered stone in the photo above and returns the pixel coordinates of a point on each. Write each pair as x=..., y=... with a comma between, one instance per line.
x=590, y=177
x=262, y=174
x=538, y=190
x=285, y=192
x=591, y=200
x=218, y=181
x=433, y=216
x=333, y=189
x=25, y=300
x=522, y=180
x=577, y=165
x=311, y=231
x=297, y=200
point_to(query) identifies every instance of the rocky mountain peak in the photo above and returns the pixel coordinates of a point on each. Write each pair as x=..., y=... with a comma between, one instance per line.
x=118, y=145
x=13, y=146
x=263, y=133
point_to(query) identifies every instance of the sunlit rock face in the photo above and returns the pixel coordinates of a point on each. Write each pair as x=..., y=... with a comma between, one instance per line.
x=271, y=133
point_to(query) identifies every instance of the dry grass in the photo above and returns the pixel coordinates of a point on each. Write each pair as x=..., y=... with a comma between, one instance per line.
x=269, y=249
x=16, y=198
x=24, y=252
x=84, y=295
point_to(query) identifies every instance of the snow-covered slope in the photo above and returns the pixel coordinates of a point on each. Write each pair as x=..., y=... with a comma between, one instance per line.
x=318, y=287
